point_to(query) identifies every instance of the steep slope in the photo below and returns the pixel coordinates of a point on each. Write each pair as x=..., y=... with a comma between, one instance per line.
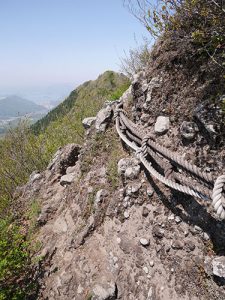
x=22, y=153
x=108, y=230
x=112, y=222
x=14, y=106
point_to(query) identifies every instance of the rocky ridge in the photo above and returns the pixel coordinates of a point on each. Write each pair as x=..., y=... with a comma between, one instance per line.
x=108, y=230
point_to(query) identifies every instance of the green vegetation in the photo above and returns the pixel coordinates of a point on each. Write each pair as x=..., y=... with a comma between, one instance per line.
x=15, y=281
x=106, y=143
x=24, y=150
x=32, y=215
x=116, y=154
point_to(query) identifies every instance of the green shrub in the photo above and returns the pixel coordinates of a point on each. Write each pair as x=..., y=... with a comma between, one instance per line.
x=200, y=21
x=119, y=92
x=14, y=261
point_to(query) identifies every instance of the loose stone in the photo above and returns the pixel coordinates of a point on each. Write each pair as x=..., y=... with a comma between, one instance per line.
x=151, y=263
x=145, y=211
x=144, y=242
x=145, y=269
x=126, y=215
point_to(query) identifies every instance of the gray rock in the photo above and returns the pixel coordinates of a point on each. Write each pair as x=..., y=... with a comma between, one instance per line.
x=206, y=237
x=145, y=269
x=211, y=129
x=60, y=225
x=88, y=122
x=67, y=179
x=188, y=130
x=34, y=176
x=132, y=172
x=207, y=116
x=158, y=232
x=171, y=217
x=65, y=157
x=126, y=214
x=162, y=125
x=103, y=118
x=151, y=263
x=105, y=291
x=144, y=242
x=190, y=245
x=177, y=244
x=144, y=86
x=145, y=118
x=127, y=96
x=71, y=170
x=145, y=211
x=132, y=188
x=197, y=228
x=154, y=83
x=150, y=192
x=75, y=170
x=43, y=216
x=218, y=266
x=208, y=265
x=100, y=195
x=129, y=167
x=178, y=219
x=137, y=77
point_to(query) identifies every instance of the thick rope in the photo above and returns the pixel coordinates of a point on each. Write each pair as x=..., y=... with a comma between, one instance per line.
x=217, y=196
x=173, y=157
x=148, y=147
x=168, y=182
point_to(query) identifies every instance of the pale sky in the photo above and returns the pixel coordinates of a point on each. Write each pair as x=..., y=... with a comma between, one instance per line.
x=48, y=42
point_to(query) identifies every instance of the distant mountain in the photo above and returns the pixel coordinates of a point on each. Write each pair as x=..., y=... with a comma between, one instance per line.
x=14, y=106
x=85, y=101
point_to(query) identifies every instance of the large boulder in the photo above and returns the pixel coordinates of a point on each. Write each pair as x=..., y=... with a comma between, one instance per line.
x=64, y=158
x=103, y=118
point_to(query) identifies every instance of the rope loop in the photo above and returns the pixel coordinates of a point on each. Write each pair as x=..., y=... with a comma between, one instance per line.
x=217, y=196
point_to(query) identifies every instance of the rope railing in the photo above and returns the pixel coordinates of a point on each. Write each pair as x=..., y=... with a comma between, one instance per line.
x=163, y=164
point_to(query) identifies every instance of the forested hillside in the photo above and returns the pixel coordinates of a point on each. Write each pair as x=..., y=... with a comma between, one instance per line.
x=83, y=101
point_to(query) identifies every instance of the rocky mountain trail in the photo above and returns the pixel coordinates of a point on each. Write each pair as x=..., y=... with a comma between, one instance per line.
x=108, y=230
